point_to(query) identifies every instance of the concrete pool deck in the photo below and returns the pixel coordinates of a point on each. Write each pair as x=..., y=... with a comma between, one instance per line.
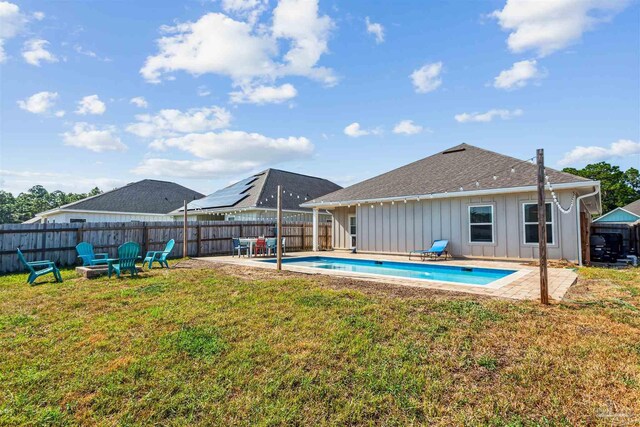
x=522, y=285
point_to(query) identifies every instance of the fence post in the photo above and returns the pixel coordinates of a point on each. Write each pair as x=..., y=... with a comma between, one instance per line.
x=199, y=239
x=145, y=237
x=44, y=240
x=302, y=232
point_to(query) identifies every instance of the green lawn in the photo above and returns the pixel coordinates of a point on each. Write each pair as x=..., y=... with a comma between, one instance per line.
x=203, y=346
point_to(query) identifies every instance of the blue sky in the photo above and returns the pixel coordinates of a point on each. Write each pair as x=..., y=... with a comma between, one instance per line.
x=226, y=88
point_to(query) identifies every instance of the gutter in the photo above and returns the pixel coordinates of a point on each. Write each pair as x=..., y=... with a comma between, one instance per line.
x=525, y=189
x=578, y=200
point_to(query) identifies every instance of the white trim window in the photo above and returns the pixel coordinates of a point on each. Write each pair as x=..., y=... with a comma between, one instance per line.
x=530, y=221
x=481, y=226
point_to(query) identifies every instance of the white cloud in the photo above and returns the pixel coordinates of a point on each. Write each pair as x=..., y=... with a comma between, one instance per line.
x=38, y=16
x=171, y=122
x=376, y=29
x=60, y=113
x=549, y=26
x=39, y=103
x=427, y=78
x=34, y=52
x=11, y=23
x=518, y=75
x=246, y=51
x=488, y=116
x=203, y=91
x=248, y=9
x=226, y=152
x=354, y=130
x=85, y=135
x=19, y=181
x=203, y=169
x=407, y=127
x=620, y=149
x=264, y=94
x=91, y=104
x=139, y=101
x=91, y=54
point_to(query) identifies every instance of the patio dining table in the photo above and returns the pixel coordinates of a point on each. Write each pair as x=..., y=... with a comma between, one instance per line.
x=251, y=241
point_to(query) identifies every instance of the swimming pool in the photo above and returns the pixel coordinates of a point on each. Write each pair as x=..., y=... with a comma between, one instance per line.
x=476, y=276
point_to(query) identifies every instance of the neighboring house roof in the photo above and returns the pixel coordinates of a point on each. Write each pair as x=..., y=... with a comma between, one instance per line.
x=446, y=172
x=633, y=207
x=257, y=190
x=146, y=196
x=626, y=214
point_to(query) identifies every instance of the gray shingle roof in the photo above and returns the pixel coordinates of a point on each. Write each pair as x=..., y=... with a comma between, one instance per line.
x=633, y=207
x=259, y=193
x=146, y=196
x=447, y=171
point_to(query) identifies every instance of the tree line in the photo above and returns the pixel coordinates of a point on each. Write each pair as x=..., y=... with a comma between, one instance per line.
x=618, y=187
x=37, y=199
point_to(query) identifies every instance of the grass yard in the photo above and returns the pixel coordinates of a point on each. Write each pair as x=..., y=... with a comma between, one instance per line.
x=203, y=345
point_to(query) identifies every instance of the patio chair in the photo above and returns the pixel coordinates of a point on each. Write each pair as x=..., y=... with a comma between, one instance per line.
x=271, y=244
x=261, y=246
x=239, y=246
x=159, y=256
x=39, y=268
x=85, y=253
x=438, y=249
x=128, y=254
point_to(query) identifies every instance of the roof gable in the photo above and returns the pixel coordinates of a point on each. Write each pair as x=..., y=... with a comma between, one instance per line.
x=463, y=166
x=146, y=196
x=618, y=215
x=260, y=191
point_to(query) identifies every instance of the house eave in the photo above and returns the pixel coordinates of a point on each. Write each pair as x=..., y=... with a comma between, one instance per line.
x=58, y=210
x=507, y=190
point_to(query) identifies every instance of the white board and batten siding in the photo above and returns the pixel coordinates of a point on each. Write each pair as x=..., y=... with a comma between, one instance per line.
x=402, y=227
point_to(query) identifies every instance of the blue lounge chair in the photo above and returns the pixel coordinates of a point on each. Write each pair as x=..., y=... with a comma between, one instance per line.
x=39, y=268
x=159, y=256
x=128, y=254
x=239, y=246
x=85, y=253
x=438, y=249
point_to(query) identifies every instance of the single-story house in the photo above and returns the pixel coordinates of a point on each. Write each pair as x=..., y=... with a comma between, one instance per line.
x=255, y=198
x=629, y=214
x=483, y=202
x=146, y=200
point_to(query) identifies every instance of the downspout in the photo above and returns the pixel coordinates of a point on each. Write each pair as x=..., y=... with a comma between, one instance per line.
x=578, y=200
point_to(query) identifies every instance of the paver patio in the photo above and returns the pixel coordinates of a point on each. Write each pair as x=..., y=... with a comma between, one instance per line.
x=525, y=286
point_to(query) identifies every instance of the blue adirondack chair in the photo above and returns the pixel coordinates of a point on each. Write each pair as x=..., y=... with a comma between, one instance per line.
x=159, y=256
x=85, y=253
x=128, y=254
x=39, y=268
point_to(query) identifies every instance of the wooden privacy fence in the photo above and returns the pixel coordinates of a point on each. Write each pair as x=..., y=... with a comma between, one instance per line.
x=57, y=241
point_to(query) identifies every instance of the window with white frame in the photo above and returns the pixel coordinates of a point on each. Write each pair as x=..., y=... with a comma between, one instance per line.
x=530, y=217
x=481, y=224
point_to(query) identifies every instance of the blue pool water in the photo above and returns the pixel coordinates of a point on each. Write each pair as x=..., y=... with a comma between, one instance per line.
x=441, y=273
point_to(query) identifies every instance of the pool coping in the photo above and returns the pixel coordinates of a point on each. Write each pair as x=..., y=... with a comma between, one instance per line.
x=496, y=284
x=526, y=286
